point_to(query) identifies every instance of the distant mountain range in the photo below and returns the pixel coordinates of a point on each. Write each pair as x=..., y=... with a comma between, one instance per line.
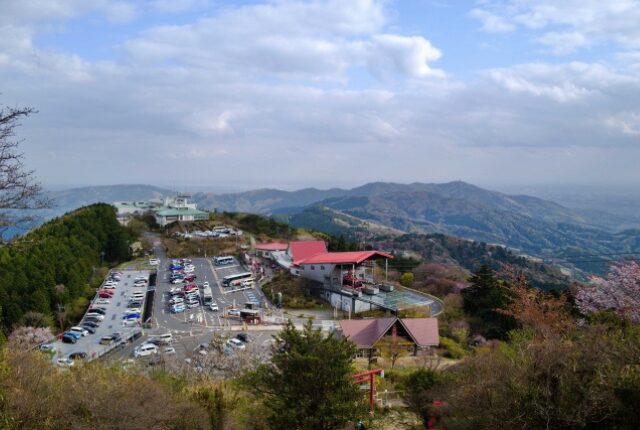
x=529, y=224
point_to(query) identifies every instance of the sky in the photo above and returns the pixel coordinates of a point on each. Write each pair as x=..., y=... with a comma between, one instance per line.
x=289, y=94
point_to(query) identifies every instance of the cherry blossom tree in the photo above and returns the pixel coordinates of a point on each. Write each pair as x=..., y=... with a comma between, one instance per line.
x=619, y=291
x=30, y=337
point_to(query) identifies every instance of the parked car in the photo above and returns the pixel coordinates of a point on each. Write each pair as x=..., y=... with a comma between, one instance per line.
x=88, y=328
x=73, y=333
x=236, y=343
x=154, y=261
x=176, y=309
x=94, y=316
x=64, y=362
x=131, y=315
x=92, y=324
x=47, y=347
x=168, y=350
x=233, y=312
x=78, y=355
x=145, y=350
x=107, y=340
x=102, y=301
x=105, y=295
x=97, y=309
x=162, y=339
x=133, y=322
x=193, y=305
x=80, y=330
x=243, y=337
x=67, y=338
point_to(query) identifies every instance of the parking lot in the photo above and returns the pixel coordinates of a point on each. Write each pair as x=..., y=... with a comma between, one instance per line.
x=114, y=310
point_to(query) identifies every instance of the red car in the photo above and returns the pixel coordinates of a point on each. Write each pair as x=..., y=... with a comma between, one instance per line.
x=190, y=287
x=105, y=294
x=190, y=278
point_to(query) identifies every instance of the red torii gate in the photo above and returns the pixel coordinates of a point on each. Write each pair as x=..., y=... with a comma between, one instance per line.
x=361, y=377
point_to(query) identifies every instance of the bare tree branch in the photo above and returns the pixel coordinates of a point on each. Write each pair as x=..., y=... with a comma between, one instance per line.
x=20, y=193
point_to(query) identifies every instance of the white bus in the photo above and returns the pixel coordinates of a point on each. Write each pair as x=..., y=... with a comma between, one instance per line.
x=207, y=296
x=223, y=261
x=228, y=281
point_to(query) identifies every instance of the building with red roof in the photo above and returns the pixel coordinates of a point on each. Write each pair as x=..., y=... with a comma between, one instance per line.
x=352, y=281
x=300, y=250
x=416, y=335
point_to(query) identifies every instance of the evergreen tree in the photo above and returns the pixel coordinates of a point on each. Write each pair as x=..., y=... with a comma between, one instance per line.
x=484, y=299
x=309, y=384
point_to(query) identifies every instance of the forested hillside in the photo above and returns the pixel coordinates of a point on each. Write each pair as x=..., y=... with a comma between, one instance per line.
x=54, y=264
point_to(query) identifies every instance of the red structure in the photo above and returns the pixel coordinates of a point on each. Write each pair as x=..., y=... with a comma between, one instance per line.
x=351, y=280
x=361, y=377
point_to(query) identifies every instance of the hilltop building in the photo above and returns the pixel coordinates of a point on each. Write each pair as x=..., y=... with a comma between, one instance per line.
x=166, y=211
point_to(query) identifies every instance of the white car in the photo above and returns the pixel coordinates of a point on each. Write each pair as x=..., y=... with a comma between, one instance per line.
x=102, y=301
x=154, y=262
x=140, y=278
x=130, y=322
x=233, y=312
x=81, y=331
x=145, y=350
x=189, y=270
x=132, y=311
x=95, y=315
x=64, y=362
x=205, y=284
x=168, y=350
x=109, y=287
x=236, y=343
x=214, y=307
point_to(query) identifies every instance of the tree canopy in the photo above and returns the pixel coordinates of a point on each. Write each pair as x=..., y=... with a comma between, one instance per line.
x=309, y=383
x=484, y=299
x=53, y=264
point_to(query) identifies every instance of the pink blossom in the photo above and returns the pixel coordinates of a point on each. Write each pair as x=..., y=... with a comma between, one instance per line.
x=619, y=291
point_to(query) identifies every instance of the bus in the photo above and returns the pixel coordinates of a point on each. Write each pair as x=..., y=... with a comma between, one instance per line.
x=207, y=296
x=223, y=261
x=227, y=281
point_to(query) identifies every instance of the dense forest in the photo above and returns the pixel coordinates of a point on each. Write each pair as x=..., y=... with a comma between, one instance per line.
x=471, y=255
x=52, y=267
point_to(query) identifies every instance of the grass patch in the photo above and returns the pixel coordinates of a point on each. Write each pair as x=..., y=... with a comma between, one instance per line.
x=296, y=292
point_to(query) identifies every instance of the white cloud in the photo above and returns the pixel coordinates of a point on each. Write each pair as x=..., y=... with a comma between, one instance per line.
x=406, y=55
x=491, y=22
x=566, y=25
x=626, y=123
x=562, y=82
x=288, y=91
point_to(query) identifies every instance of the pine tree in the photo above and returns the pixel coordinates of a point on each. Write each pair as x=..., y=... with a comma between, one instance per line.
x=309, y=384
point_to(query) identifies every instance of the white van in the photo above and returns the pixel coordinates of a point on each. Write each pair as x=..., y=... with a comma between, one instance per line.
x=165, y=339
x=145, y=350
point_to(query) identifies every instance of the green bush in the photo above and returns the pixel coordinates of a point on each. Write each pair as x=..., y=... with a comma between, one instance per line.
x=454, y=350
